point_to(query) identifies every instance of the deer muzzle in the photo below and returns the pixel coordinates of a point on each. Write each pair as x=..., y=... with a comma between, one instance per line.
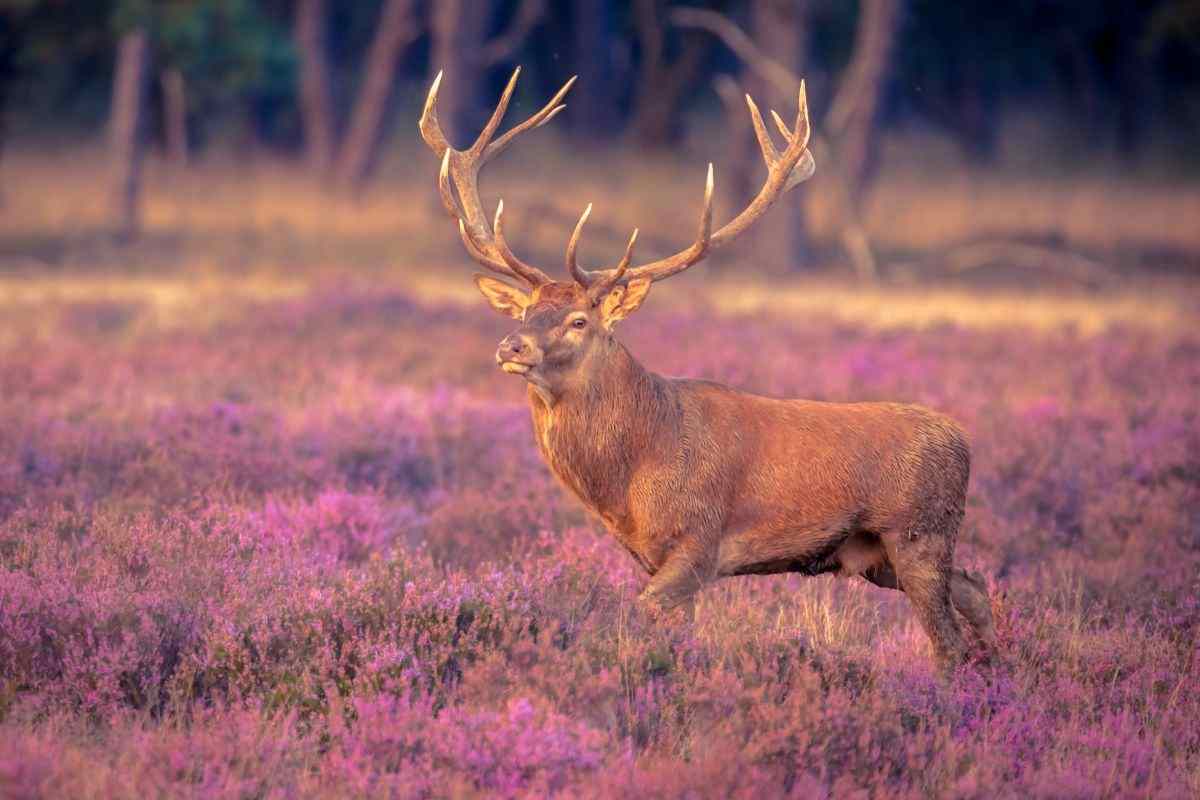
x=518, y=354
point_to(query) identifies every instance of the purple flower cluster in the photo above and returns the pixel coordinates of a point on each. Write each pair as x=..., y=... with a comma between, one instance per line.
x=312, y=552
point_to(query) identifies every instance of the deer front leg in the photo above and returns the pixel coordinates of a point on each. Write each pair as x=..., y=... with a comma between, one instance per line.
x=677, y=581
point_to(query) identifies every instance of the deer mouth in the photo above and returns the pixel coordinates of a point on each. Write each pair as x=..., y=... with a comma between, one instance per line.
x=521, y=364
x=515, y=367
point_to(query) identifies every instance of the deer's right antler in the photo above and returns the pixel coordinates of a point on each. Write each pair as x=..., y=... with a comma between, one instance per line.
x=460, y=169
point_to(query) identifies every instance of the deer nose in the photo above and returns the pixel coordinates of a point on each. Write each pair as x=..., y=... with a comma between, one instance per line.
x=513, y=346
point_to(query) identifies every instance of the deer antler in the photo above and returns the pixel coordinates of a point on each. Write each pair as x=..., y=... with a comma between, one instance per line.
x=599, y=286
x=460, y=173
x=460, y=170
x=785, y=170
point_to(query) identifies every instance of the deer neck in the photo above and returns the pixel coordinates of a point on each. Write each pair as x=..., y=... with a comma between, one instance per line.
x=595, y=434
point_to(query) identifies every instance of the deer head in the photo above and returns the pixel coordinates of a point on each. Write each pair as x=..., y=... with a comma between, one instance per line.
x=567, y=326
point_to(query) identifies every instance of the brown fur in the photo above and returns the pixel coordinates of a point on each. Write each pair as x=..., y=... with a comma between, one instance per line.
x=699, y=481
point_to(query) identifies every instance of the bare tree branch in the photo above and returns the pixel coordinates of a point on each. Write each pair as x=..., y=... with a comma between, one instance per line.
x=852, y=233
x=851, y=118
x=174, y=92
x=315, y=95
x=126, y=139
x=742, y=45
x=739, y=132
x=397, y=28
x=502, y=46
x=660, y=85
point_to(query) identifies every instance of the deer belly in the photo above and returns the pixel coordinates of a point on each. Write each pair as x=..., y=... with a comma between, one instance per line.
x=767, y=552
x=817, y=562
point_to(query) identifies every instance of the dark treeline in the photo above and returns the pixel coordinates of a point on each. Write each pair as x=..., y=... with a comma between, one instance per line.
x=956, y=64
x=317, y=78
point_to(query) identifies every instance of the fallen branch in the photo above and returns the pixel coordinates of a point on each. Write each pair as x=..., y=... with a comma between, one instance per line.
x=978, y=255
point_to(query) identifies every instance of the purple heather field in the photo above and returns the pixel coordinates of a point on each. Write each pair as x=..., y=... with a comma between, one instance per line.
x=310, y=550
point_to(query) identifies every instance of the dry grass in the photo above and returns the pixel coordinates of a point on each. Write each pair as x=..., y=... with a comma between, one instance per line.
x=1158, y=307
x=919, y=203
x=201, y=299
x=222, y=234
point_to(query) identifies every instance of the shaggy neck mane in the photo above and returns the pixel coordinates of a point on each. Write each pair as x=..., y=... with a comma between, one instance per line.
x=598, y=431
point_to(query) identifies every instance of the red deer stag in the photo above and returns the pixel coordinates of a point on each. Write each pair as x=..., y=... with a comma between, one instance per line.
x=695, y=479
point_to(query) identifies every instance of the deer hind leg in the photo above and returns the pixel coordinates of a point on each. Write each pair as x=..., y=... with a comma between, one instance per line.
x=921, y=556
x=969, y=594
x=928, y=589
x=932, y=598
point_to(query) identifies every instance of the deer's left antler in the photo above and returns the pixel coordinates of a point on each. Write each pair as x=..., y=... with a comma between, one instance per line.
x=785, y=170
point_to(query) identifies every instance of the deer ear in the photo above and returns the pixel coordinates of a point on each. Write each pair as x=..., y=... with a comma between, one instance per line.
x=508, y=300
x=623, y=301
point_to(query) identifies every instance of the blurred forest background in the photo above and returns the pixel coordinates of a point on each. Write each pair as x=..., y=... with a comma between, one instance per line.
x=1037, y=142
x=271, y=520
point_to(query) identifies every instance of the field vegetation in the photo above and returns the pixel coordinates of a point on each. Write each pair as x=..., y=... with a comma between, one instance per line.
x=272, y=524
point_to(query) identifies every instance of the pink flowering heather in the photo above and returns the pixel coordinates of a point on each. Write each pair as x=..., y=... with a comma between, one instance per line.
x=312, y=552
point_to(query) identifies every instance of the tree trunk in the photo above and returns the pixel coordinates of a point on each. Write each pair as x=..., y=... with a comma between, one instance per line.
x=397, y=27
x=126, y=123
x=1131, y=92
x=175, y=116
x=852, y=120
x=660, y=84
x=739, y=162
x=592, y=109
x=780, y=28
x=458, y=29
x=315, y=93
x=6, y=60
x=976, y=117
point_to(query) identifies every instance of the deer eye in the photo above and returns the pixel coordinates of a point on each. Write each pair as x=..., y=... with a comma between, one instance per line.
x=579, y=322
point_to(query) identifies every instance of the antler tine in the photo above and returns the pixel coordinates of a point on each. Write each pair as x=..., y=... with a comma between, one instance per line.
x=803, y=171
x=474, y=251
x=547, y=113
x=784, y=130
x=604, y=284
x=803, y=127
x=430, y=127
x=527, y=272
x=489, y=130
x=769, y=153
x=444, y=190
x=627, y=259
x=581, y=276
x=705, y=235
x=797, y=139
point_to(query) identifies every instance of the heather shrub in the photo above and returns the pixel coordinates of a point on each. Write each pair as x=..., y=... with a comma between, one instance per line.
x=294, y=554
